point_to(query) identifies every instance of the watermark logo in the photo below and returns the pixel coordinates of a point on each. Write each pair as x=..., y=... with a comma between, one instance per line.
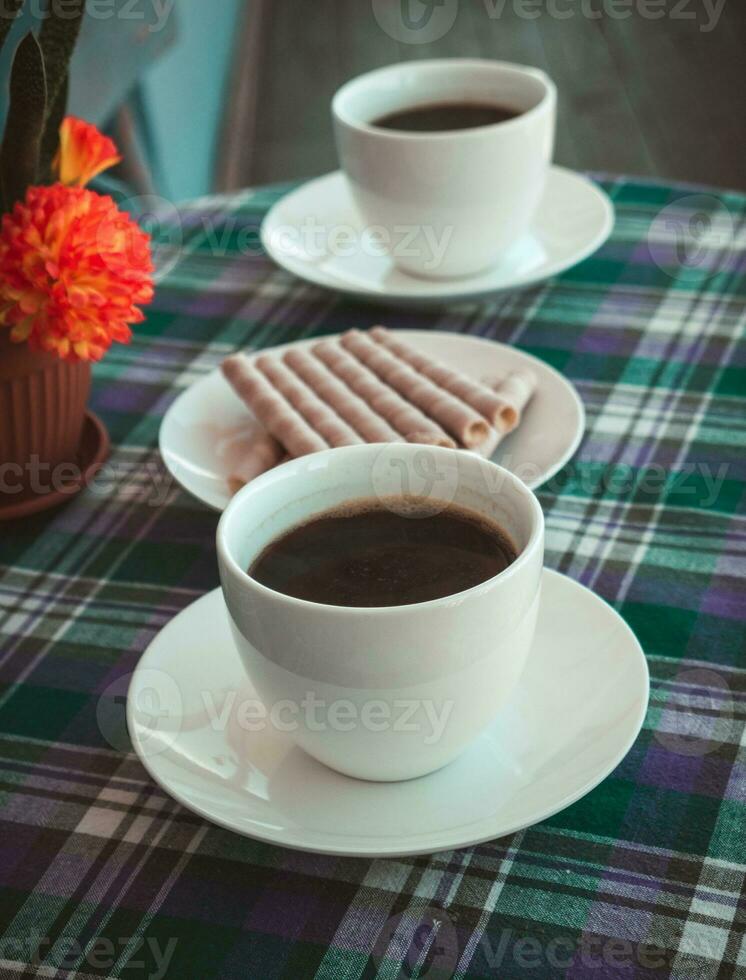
x=692, y=238
x=157, y=710
x=701, y=718
x=415, y=21
x=159, y=218
x=417, y=484
x=422, y=939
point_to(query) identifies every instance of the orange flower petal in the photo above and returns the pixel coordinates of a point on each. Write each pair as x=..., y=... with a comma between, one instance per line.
x=83, y=154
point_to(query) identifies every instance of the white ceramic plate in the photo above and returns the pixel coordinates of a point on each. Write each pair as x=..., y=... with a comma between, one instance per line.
x=577, y=710
x=315, y=232
x=205, y=432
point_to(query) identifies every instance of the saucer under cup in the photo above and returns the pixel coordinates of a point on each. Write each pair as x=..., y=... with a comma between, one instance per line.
x=576, y=711
x=316, y=233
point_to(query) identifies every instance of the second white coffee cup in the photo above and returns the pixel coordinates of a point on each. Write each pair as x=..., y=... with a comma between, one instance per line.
x=447, y=204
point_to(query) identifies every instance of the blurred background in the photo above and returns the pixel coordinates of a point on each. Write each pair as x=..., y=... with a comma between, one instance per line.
x=212, y=96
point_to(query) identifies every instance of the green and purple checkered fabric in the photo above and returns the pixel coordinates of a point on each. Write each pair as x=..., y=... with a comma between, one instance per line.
x=101, y=874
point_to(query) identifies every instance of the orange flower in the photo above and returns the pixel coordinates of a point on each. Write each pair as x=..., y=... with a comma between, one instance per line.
x=72, y=270
x=83, y=154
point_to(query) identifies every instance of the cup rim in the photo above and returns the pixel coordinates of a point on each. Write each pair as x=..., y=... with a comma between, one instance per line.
x=228, y=561
x=548, y=98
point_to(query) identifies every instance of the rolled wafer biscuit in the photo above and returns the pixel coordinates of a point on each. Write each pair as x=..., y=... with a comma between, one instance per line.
x=399, y=413
x=490, y=444
x=497, y=407
x=455, y=415
x=263, y=453
x=349, y=406
x=319, y=414
x=270, y=408
x=516, y=390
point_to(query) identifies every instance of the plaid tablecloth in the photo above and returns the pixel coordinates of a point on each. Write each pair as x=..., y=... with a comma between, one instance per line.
x=101, y=874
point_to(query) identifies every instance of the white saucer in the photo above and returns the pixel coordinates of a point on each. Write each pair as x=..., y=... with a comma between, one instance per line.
x=316, y=233
x=576, y=713
x=206, y=432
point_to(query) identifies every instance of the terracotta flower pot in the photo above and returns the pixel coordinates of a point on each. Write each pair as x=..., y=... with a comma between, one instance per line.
x=42, y=408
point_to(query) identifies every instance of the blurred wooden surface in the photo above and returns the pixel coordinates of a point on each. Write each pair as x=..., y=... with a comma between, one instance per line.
x=660, y=97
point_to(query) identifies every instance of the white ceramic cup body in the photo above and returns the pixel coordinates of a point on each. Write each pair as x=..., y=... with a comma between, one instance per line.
x=447, y=204
x=416, y=683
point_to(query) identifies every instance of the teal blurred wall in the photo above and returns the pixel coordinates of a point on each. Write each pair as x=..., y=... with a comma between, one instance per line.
x=185, y=93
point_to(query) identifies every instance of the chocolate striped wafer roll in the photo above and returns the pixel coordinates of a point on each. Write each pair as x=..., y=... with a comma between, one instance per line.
x=277, y=416
x=349, y=406
x=319, y=414
x=405, y=418
x=456, y=416
x=500, y=409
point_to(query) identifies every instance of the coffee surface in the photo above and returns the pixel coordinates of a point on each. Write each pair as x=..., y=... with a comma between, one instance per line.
x=445, y=116
x=370, y=555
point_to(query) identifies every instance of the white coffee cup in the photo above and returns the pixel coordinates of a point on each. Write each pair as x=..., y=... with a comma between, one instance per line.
x=392, y=692
x=447, y=204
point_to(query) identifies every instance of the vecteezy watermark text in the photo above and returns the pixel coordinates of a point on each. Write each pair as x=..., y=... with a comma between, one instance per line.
x=425, y=21
x=340, y=715
x=426, y=941
x=397, y=480
x=146, y=482
x=152, y=15
x=706, y=13
x=433, y=480
x=308, y=239
x=158, y=709
x=314, y=240
x=144, y=957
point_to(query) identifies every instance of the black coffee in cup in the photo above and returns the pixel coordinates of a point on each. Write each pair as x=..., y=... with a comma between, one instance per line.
x=441, y=117
x=376, y=554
